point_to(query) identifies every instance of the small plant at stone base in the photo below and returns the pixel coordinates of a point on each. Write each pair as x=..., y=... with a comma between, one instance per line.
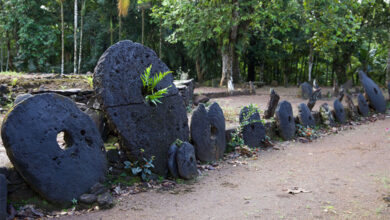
x=90, y=81
x=306, y=132
x=141, y=167
x=149, y=86
x=14, y=82
x=74, y=201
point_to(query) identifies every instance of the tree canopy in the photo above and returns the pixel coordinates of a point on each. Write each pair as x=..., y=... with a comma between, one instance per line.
x=288, y=41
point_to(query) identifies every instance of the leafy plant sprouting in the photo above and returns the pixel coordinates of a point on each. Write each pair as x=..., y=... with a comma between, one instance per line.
x=149, y=86
x=141, y=167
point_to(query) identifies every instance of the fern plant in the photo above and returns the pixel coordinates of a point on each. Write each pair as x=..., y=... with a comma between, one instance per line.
x=149, y=86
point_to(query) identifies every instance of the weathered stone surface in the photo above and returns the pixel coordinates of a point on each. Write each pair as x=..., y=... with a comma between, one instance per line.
x=186, y=161
x=363, y=105
x=339, y=111
x=3, y=197
x=186, y=90
x=172, y=164
x=352, y=108
x=253, y=134
x=208, y=132
x=272, y=104
x=118, y=86
x=20, y=98
x=306, y=90
x=105, y=201
x=4, y=89
x=373, y=93
x=88, y=198
x=29, y=135
x=98, y=189
x=285, y=120
x=326, y=115
x=305, y=117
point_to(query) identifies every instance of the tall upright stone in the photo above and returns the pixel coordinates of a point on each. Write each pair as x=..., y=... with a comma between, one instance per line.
x=208, y=132
x=339, y=111
x=285, y=120
x=253, y=130
x=363, y=105
x=306, y=90
x=140, y=125
x=305, y=117
x=59, y=174
x=373, y=93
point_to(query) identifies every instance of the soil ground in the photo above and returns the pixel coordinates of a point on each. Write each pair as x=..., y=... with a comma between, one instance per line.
x=346, y=176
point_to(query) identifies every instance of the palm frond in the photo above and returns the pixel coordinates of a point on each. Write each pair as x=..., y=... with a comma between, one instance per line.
x=123, y=7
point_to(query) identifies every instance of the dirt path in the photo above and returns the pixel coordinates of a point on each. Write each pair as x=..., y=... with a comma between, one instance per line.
x=347, y=175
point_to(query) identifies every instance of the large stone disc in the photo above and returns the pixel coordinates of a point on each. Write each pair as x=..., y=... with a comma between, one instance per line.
x=373, y=93
x=305, y=117
x=29, y=134
x=285, y=120
x=140, y=125
x=339, y=111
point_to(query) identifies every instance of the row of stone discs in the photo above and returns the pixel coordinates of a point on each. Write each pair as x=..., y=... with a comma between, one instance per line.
x=253, y=130
x=140, y=125
x=29, y=134
x=208, y=132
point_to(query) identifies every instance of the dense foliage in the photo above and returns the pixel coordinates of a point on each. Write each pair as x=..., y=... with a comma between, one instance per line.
x=289, y=41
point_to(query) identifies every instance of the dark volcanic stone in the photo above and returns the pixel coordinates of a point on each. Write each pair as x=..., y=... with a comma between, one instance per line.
x=373, y=93
x=172, y=164
x=186, y=161
x=88, y=198
x=285, y=120
x=339, y=111
x=208, y=132
x=29, y=135
x=105, y=200
x=20, y=98
x=363, y=105
x=244, y=115
x=305, y=116
x=118, y=86
x=253, y=134
x=3, y=197
x=200, y=99
x=4, y=89
x=306, y=90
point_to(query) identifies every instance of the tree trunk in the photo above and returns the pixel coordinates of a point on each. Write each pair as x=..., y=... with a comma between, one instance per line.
x=388, y=61
x=75, y=38
x=111, y=32
x=143, y=25
x=81, y=33
x=311, y=59
x=120, y=27
x=227, y=65
x=236, y=67
x=62, y=38
x=251, y=70
x=1, y=55
x=199, y=71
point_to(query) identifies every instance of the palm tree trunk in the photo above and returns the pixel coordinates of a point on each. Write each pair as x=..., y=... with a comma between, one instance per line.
x=81, y=33
x=75, y=38
x=311, y=61
x=62, y=38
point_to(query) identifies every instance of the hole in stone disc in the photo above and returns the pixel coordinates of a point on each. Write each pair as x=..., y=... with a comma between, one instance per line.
x=252, y=126
x=82, y=132
x=64, y=140
x=376, y=91
x=289, y=118
x=213, y=132
x=191, y=159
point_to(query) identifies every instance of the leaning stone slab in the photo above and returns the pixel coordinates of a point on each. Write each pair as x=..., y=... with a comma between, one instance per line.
x=272, y=104
x=373, y=93
x=326, y=115
x=140, y=125
x=285, y=120
x=363, y=105
x=339, y=111
x=29, y=134
x=208, y=132
x=3, y=197
x=305, y=117
x=186, y=161
x=306, y=90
